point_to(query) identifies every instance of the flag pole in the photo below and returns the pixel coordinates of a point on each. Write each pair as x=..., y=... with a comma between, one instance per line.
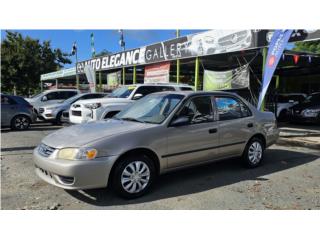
x=178, y=60
x=77, y=75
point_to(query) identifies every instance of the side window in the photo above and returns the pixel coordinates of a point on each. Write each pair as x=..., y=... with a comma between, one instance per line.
x=66, y=94
x=186, y=89
x=231, y=108
x=52, y=96
x=165, y=88
x=199, y=109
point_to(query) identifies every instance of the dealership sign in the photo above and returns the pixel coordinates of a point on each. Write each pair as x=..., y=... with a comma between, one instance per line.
x=201, y=44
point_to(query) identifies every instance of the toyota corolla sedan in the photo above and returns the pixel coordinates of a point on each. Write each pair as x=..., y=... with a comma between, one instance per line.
x=162, y=132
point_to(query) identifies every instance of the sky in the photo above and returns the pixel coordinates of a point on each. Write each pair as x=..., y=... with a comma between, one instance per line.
x=103, y=39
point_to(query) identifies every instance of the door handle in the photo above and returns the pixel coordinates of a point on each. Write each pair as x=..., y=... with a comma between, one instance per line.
x=250, y=125
x=213, y=130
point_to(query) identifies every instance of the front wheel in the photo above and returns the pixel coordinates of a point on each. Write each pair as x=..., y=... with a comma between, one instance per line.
x=253, y=153
x=133, y=176
x=58, y=120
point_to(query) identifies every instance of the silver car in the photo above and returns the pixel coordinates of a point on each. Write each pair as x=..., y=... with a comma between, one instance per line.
x=157, y=134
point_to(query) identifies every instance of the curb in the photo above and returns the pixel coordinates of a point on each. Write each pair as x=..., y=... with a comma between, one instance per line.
x=297, y=143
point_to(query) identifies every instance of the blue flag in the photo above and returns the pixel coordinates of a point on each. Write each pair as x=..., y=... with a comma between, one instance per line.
x=278, y=42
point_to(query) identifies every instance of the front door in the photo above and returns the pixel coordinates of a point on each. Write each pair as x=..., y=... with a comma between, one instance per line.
x=196, y=141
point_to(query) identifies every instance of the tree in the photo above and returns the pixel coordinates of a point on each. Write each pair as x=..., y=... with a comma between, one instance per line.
x=103, y=52
x=23, y=60
x=311, y=47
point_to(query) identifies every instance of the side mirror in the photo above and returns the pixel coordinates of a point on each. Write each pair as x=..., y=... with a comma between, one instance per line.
x=180, y=121
x=44, y=99
x=137, y=96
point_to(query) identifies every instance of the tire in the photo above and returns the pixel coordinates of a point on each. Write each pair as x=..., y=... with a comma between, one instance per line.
x=125, y=181
x=20, y=122
x=58, y=119
x=253, y=153
x=283, y=116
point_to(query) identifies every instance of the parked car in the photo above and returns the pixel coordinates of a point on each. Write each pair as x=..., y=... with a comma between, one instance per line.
x=53, y=112
x=308, y=110
x=159, y=133
x=16, y=112
x=51, y=97
x=287, y=100
x=98, y=109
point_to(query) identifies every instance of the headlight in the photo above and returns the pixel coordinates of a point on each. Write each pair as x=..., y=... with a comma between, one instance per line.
x=310, y=112
x=92, y=105
x=51, y=108
x=77, y=153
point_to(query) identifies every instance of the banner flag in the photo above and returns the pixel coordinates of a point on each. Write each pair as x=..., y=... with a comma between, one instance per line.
x=157, y=73
x=91, y=77
x=278, y=42
x=232, y=79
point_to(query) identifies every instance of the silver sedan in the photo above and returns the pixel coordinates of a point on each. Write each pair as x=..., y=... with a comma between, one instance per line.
x=157, y=134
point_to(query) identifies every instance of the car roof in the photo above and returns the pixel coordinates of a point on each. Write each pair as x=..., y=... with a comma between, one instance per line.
x=62, y=90
x=198, y=93
x=160, y=84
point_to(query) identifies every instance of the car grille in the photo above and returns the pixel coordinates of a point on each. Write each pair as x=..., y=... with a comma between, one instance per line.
x=45, y=150
x=227, y=40
x=76, y=113
x=41, y=110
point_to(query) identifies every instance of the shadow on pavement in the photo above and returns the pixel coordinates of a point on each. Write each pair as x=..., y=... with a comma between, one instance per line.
x=201, y=178
x=17, y=148
x=34, y=127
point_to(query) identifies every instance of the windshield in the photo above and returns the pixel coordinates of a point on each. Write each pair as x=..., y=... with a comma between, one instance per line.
x=288, y=98
x=151, y=109
x=122, y=92
x=313, y=98
x=36, y=95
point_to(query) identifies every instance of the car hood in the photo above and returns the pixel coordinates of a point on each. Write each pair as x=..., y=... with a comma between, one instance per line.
x=79, y=135
x=305, y=105
x=105, y=100
x=56, y=105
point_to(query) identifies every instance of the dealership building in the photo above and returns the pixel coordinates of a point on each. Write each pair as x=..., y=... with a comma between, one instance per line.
x=231, y=60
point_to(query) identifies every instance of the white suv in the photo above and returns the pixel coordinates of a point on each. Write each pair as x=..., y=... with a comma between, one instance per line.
x=50, y=97
x=97, y=109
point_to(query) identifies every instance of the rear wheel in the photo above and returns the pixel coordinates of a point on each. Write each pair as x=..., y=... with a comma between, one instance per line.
x=133, y=176
x=20, y=122
x=253, y=153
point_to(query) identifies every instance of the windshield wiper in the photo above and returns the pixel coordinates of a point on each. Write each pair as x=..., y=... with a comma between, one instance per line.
x=131, y=119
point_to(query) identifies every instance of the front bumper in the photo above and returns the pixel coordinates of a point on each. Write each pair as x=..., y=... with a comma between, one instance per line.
x=305, y=119
x=74, y=174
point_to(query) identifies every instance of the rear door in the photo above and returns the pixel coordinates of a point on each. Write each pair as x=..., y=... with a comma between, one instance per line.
x=8, y=109
x=236, y=124
x=197, y=141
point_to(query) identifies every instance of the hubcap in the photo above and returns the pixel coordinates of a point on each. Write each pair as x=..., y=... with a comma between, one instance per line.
x=135, y=177
x=21, y=123
x=255, y=152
